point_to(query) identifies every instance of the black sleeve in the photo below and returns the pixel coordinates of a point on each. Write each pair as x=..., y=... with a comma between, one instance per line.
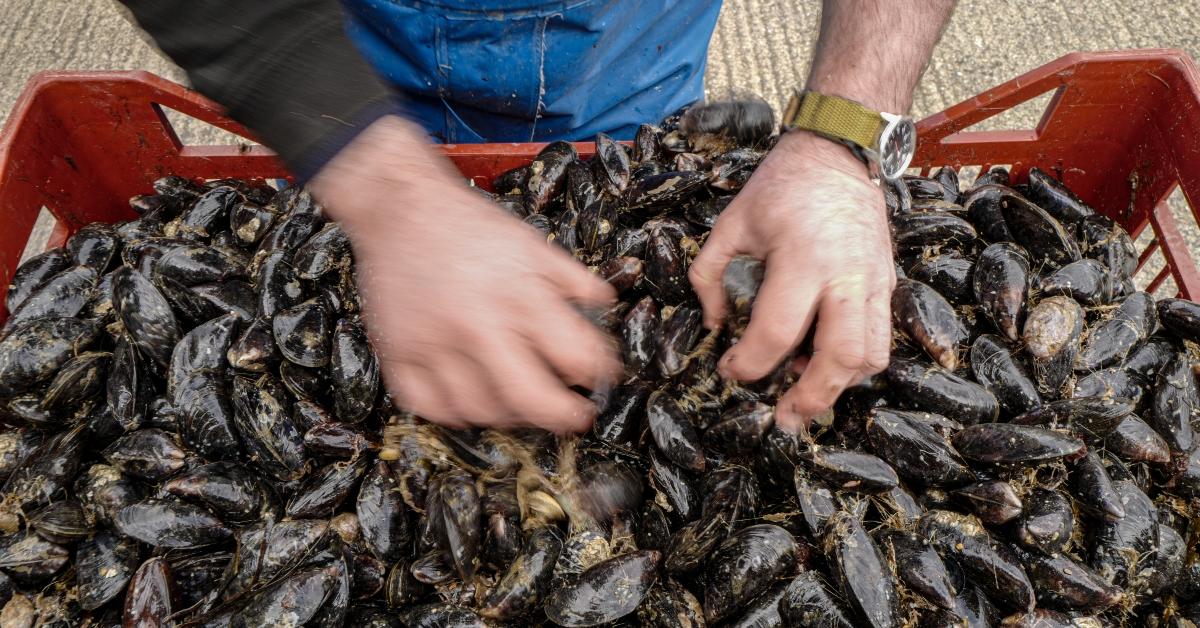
x=284, y=68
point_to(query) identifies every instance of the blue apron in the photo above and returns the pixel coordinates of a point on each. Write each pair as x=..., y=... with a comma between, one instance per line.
x=535, y=70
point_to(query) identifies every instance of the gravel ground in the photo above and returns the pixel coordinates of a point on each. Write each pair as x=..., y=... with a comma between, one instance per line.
x=761, y=46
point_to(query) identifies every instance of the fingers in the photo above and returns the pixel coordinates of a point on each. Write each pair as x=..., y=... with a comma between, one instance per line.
x=839, y=356
x=783, y=311
x=533, y=394
x=418, y=390
x=574, y=281
x=707, y=271
x=878, y=327
x=576, y=349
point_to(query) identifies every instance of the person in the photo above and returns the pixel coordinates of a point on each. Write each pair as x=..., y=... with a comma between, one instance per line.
x=474, y=315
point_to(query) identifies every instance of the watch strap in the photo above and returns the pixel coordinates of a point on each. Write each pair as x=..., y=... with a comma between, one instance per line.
x=836, y=118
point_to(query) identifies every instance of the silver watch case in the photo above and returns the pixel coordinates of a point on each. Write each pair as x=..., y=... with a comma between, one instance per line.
x=894, y=149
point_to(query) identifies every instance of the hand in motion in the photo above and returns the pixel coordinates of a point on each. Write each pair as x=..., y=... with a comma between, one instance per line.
x=471, y=311
x=813, y=216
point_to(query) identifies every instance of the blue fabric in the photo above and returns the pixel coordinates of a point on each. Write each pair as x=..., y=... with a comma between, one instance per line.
x=534, y=70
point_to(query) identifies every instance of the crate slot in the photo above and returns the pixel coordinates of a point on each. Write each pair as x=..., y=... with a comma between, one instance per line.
x=41, y=234
x=191, y=131
x=1030, y=116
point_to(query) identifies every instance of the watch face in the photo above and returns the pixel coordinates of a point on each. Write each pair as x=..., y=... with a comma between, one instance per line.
x=898, y=144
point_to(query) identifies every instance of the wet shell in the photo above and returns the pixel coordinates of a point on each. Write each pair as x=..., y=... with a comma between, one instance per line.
x=915, y=448
x=990, y=566
x=105, y=563
x=919, y=567
x=63, y=295
x=1001, y=282
x=866, y=581
x=923, y=315
x=1054, y=197
x=354, y=371
x=382, y=514
x=1048, y=242
x=994, y=366
x=164, y=523
x=1047, y=521
x=744, y=566
x=809, y=602
x=932, y=388
x=607, y=591
x=1109, y=341
x=640, y=332
x=1094, y=489
x=1176, y=403
x=1087, y=281
x=1005, y=443
x=302, y=333
x=32, y=352
x=673, y=432
x=147, y=316
x=848, y=470
x=229, y=489
x=522, y=586
x=1136, y=441
x=1181, y=317
x=950, y=273
x=33, y=273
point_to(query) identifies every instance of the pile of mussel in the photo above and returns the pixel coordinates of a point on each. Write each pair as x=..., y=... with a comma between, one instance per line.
x=196, y=433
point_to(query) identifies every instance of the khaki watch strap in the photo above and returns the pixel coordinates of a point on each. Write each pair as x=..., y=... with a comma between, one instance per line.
x=835, y=117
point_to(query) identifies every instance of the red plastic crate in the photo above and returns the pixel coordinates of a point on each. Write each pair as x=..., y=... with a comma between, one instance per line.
x=1120, y=130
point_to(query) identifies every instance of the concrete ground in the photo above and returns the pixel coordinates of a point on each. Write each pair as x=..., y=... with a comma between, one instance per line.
x=761, y=46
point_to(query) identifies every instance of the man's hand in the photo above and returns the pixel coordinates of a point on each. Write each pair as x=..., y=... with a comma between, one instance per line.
x=811, y=213
x=470, y=310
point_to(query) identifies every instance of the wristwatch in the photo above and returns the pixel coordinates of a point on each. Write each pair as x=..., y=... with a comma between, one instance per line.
x=885, y=141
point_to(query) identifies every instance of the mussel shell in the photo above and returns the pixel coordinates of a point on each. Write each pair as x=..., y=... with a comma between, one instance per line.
x=523, y=584
x=254, y=348
x=34, y=351
x=547, y=175
x=744, y=566
x=1113, y=383
x=1176, y=404
x=267, y=430
x=382, y=514
x=931, y=228
x=607, y=591
x=149, y=453
x=1005, y=443
x=276, y=283
x=95, y=245
x=925, y=316
x=983, y=206
x=995, y=502
x=1134, y=440
x=680, y=329
x=1110, y=340
x=915, y=449
x=1087, y=281
x=233, y=491
x=919, y=567
x=79, y=379
x=1048, y=242
x=991, y=566
x=665, y=188
x=325, y=251
x=325, y=489
x=60, y=522
x=34, y=273
x=1047, y=521
x=104, y=565
x=207, y=420
x=861, y=570
x=302, y=333
x=47, y=471
x=193, y=264
x=16, y=445
x=622, y=273
x=934, y=389
x=457, y=520
x=994, y=366
x=949, y=273
x=1181, y=317
x=250, y=222
x=296, y=597
x=808, y=601
x=146, y=315
x=30, y=559
x=438, y=615
x=673, y=432
x=1093, y=489
x=1001, y=282
x=641, y=332
x=64, y=294
x=1120, y=544
x=164, y=523
x=338, y=440
x=204, y=348
x=354, y=371
x=267, y=549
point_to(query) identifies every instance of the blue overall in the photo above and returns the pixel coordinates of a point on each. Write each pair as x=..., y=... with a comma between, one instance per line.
x=536, y=70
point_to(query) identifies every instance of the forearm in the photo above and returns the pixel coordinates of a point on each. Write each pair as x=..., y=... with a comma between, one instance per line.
x=874, y=51
x=283, y=68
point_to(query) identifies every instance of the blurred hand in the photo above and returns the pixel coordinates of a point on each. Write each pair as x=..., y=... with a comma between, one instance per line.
x=469, y=309
x=812, y=214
